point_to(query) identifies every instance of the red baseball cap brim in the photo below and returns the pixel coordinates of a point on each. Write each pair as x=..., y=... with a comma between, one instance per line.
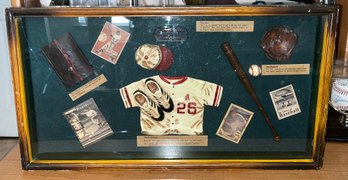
x=167, y=59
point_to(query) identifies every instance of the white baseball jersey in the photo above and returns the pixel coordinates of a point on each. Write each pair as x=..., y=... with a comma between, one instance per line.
x=189, y=97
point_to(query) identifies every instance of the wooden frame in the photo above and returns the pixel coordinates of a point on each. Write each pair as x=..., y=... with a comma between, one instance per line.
x=328, y=13
x=35, y=3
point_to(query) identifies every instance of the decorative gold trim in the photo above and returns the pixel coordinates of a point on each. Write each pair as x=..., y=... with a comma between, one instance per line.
x=324, y=86
x=18, y=86
x=22, y=94
x=320, y=108
x=173, y=162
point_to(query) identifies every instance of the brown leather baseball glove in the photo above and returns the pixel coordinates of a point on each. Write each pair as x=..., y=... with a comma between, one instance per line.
x=278, y=43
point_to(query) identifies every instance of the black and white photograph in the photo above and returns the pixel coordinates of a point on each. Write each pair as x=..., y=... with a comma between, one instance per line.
x=234, y=123
x=285, y=102
x=88, y=123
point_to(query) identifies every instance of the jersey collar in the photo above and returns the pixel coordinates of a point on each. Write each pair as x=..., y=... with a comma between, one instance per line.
x=174, y=80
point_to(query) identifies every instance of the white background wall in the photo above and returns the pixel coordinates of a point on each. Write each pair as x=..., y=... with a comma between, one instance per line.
x=8, y=124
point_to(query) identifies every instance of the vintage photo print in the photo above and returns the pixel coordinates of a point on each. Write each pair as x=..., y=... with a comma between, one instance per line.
x=234, y=123
x=285, y=102
x=88, y=123
x=110, y=42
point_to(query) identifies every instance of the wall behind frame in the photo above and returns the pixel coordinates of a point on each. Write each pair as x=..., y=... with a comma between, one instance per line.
x=8, y=125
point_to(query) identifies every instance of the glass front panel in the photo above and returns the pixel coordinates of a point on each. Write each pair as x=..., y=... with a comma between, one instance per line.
x=168, y=78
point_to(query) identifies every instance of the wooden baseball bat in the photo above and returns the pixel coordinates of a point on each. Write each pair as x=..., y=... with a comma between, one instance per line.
x=242, y=75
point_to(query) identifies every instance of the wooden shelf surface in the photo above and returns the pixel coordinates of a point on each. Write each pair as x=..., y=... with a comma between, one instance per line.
x=335, y=167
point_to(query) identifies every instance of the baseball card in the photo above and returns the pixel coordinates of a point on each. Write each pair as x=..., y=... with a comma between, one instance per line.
x=88, y=123
x=234, y=123
x=285, y=102
x=110, y=43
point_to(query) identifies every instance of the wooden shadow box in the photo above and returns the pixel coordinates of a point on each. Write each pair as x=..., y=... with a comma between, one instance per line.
x=172, y=87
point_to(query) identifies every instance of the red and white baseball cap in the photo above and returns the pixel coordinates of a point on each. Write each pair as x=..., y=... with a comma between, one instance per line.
x=154, y=57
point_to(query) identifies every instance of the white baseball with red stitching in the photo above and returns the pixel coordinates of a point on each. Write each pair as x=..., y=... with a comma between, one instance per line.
x=254, y=70
x=339, y=94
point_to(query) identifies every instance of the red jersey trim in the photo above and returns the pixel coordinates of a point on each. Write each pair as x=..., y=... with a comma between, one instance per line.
x=126, y=98
x=180, y=79
x=217, y=96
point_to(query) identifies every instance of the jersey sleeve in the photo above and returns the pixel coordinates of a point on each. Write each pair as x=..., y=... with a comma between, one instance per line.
x=127, y=93
x=211, y=94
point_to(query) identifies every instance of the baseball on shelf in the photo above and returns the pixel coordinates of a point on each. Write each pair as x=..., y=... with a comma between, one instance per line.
x=339, y=94
x=254, y=70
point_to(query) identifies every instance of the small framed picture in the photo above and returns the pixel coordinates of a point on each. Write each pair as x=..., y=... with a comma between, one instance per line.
x=88, y=123
x=234, y=123
x=285, y=102
x=110, y=42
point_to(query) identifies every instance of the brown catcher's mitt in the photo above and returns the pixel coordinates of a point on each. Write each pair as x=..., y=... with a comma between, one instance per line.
x=278, y=43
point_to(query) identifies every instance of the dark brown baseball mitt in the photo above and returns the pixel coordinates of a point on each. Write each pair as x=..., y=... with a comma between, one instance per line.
x=278, y=43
